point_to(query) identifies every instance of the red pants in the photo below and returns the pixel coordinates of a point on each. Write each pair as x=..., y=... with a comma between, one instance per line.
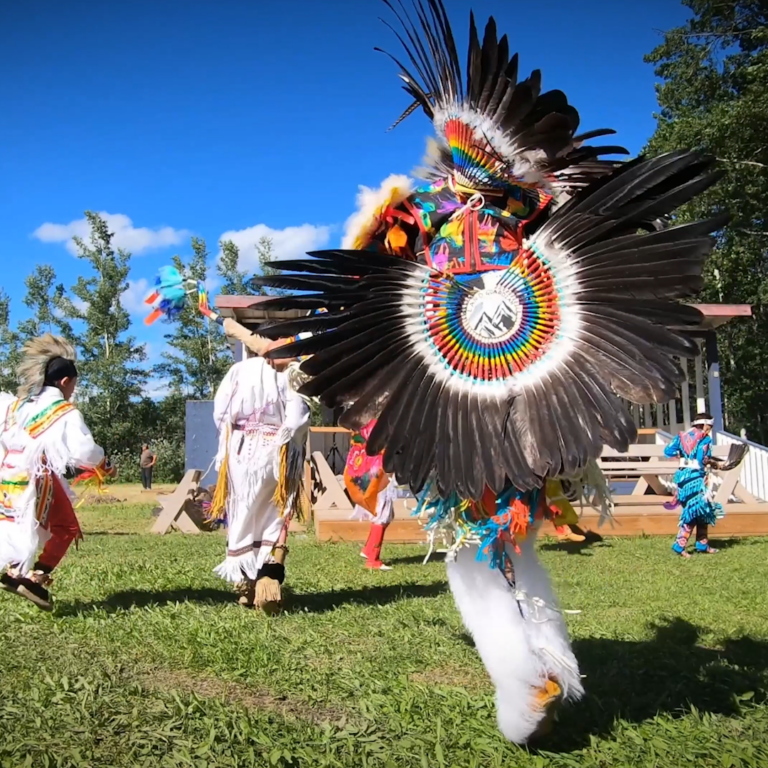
x=63, y=526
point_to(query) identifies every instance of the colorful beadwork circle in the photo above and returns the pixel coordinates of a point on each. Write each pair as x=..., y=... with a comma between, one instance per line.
x=499, y=328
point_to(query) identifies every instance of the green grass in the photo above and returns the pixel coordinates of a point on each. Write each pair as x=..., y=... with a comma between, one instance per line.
x=147, y=661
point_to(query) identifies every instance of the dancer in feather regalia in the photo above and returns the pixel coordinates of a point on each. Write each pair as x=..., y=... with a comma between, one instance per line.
x=491, y=319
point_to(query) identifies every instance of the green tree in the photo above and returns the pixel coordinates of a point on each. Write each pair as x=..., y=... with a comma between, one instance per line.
x=235, y=281
x=9, y=346
x=265, y=252
x=198, y=357
x=44, y=299
x=112, y=377
x=713, y=96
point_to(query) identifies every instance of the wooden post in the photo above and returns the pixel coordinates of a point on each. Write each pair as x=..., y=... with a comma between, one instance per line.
x=331, y=495
x=174, y=506
x=698, y=361
x=685, y=396
x=713, y=382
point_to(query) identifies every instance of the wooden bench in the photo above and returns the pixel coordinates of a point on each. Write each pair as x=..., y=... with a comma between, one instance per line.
x=648, y=520
x=635, y=514
x=647, y=463
x=174, y=506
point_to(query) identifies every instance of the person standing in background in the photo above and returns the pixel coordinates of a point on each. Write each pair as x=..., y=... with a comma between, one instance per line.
x=147, y=463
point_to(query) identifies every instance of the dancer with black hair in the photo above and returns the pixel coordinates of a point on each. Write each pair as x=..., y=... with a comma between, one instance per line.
x=693, y=481
x=42, y=435
x=262, y=426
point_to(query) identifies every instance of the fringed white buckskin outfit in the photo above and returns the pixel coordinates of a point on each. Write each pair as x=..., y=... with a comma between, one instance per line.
x=491, y=318
x=258, y=415
x=385, y=507
x=41, y=439
x=523, y=642
x=42, y=436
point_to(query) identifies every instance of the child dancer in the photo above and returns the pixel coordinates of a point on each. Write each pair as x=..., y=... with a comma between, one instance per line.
x=41, y=437
x=694, y=449
x=373, y=492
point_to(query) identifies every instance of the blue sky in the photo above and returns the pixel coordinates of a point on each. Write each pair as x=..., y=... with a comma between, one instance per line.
x=251, y=117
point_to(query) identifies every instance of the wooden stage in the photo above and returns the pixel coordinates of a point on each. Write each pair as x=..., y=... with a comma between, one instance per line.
x=633, y=516
x=643, y=469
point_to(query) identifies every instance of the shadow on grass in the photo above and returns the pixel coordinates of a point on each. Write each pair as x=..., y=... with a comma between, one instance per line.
x=635, y=681
x=141, y=598
x=413, y=559
x=573, y=547
x=311, y=602
x=727, y=543
x=320, y=602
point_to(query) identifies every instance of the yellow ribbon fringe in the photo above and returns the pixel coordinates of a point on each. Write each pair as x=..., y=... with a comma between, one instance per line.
x=280, y=497
x=219, y=501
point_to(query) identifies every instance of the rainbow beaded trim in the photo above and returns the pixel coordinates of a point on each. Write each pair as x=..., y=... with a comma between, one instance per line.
x=495, y=325
x=42, y=421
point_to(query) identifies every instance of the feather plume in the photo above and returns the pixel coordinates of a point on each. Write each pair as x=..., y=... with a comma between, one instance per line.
x=492, y=128
x=370, y=205
x=35, y=356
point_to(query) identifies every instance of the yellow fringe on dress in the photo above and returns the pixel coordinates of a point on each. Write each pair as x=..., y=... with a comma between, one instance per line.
x=94, y=478
x=280, y=497
x=219, y=502
x=290, y=486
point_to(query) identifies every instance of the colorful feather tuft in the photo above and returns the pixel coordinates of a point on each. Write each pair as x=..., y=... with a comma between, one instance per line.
x=172, y=290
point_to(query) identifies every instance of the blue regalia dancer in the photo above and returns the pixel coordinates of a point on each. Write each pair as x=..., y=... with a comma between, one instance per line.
x=694, y=481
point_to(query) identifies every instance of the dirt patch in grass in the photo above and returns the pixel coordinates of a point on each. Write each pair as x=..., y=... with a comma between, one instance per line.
x=124, y=493
x=94, y=498
x=207, y=687
x=451, y=676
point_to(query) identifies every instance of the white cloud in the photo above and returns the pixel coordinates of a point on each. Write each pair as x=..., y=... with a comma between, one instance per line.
x=288, y=243
x=134, y=295
x=137, y=240
x=80, y=305
x=150, y=352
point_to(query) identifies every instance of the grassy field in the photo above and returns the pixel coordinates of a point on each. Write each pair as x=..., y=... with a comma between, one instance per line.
x=147, y=661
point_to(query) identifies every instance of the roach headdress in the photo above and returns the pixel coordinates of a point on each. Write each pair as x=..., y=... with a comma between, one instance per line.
x=38, y=354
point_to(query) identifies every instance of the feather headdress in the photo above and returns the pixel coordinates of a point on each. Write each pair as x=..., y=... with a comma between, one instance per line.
x=525, y=364
x=36, y=354
x=492, y=127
